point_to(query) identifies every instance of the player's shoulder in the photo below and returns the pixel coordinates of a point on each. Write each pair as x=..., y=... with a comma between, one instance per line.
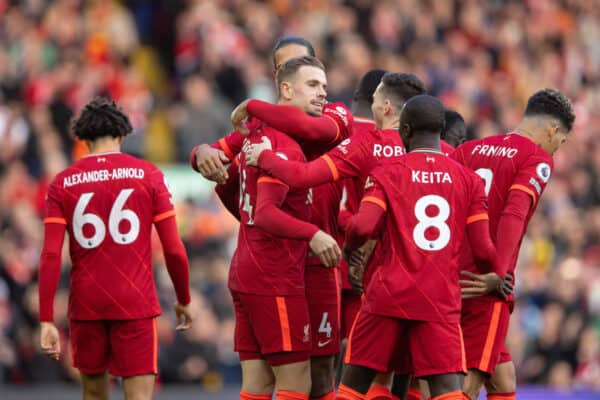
x=340, y=111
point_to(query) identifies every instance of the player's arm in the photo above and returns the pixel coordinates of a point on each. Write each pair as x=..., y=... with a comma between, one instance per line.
x=177, y=266
x=173, y=250
x=49, y=272
x=364, y=224
x=511, y=227
x=229, y=192
x=209, y=160
x=345, y=161
x=482, y=247
x=269, y=216
x=294, y=121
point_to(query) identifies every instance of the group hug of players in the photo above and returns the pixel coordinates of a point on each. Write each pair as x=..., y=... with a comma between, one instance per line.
x=430, y=235
x=421, y=224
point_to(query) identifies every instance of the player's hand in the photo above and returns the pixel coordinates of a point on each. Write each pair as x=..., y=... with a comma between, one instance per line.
x=356, y=269
x=184, y=317
x=239, y=116
x=483, y=284
x=326, y=248
x=253, y=151
x=210, y=162
x=50, y=340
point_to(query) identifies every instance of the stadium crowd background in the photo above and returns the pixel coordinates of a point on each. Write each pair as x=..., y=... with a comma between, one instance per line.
x=178, y=68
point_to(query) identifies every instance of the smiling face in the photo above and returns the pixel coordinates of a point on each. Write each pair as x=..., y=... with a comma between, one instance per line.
x=306, y=89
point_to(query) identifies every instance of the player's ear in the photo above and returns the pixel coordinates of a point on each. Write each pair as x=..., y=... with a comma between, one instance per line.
x=387, y=107
x=285, y=90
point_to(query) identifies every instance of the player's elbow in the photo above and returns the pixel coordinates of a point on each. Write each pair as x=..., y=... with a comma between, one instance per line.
x=262, y=217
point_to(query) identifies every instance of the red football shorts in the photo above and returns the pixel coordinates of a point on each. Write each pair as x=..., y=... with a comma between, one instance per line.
x=484, y=321
x=422, y=348
x=126, y=348
x=323, y=294
x=350, y=305
x=273, y=328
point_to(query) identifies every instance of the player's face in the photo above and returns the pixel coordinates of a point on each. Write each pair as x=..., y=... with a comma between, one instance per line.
x=556, y=137
x=288, y=52
x=307, y=90
x=456, y=135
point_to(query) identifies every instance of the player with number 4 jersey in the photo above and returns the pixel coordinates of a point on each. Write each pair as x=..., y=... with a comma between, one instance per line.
x=108, y=202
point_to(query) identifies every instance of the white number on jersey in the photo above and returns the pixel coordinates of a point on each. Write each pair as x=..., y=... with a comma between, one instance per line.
x=117, y=214
x=245, y=197
x=438, y=221
x=487, y=175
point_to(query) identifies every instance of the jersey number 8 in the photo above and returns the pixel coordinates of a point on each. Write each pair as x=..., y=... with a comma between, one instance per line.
x=438, y=221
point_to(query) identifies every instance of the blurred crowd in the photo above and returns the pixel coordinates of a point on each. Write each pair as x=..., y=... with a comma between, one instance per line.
x=178, y=68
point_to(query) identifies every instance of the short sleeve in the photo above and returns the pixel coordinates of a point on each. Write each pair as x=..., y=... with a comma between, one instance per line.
x=162, y=198
x=374, y=192
x=342, y=117
x=478, y=205
x=54, y=206
x=533, y=175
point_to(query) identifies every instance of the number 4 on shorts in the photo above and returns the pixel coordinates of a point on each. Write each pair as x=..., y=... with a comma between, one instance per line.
x=325, y=326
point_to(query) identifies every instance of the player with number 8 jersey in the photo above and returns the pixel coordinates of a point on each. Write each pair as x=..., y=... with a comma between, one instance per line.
x=108, y=202
x=414, y=297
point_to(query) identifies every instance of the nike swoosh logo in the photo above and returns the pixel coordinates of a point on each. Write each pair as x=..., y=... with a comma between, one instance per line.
x=323, y=344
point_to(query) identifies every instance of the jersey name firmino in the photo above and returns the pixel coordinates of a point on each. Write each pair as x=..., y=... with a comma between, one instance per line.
x=495, y=151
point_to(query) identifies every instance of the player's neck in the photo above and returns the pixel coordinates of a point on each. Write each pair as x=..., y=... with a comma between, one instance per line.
x=390, y=123
x=105, y=145
x=425, y=143
x=362, y=111
x=526, y=131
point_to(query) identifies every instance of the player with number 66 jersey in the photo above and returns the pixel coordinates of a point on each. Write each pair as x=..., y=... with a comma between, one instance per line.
x=108, y=202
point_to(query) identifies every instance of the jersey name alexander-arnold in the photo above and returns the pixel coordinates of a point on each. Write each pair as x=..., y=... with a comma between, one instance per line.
x=431, y=177
x=494, y=151
x=100, y=175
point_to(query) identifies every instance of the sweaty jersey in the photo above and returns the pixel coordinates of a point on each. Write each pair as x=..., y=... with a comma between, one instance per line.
x=109, y=202
x=263, y=263
x=428, y=199
x=505, y=163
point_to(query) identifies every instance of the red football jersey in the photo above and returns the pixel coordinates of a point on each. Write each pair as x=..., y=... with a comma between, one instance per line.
x=353, y=188
x=325, y=199
x=506, y=162
x=109, y=202
x=263, y=263
x=428, y=199
x=446, y=148
x=356, y=157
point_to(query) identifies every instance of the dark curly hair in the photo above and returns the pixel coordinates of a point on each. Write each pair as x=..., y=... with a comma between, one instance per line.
x=552, y=103
x=367, y=85
x=101, y=117
x=401, y=87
